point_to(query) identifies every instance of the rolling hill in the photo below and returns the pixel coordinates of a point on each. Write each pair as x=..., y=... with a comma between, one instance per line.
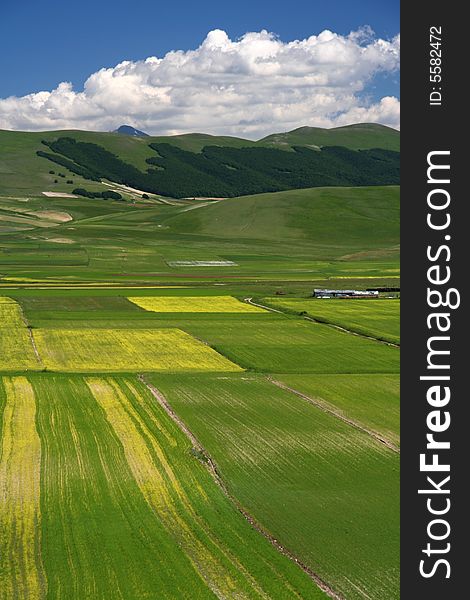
x=227, y=172
x=23, y=172
x=366, y=217
x=355, y=137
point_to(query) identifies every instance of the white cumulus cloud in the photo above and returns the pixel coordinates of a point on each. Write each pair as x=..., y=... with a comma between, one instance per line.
x=248, y=87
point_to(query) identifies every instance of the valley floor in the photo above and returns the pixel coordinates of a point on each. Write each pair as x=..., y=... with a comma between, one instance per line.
x=163, y=437
x=235, y=451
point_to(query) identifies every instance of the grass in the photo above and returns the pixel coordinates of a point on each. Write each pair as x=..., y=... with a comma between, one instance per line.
x=22, y=172
x=326, y=490
x=97, y=510
x=10, y=314
x=332, y=489
x=162, y=488
x=277, y=344
x=262, y=342
x=367, y=218
x=16, y=348
x=45, y=254
x=127, y=507
x=373, y=401
x=326, y=234
x=376, y=318
x=21, y=568
x=88, y=350
x=359, y=136
x=195, y=304
x=126, y=510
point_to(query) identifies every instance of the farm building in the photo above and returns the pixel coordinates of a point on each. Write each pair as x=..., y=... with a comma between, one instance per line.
x=345, y=294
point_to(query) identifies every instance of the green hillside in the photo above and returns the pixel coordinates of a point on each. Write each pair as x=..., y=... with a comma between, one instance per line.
x=356, y=137
x=332, y=217
x=22, y=172
x=195, y=142
x=299, y=235
x=227, y=172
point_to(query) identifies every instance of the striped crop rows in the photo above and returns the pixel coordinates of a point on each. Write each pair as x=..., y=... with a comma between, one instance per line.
x=101, y=497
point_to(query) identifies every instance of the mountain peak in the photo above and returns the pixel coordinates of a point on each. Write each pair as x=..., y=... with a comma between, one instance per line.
x=129, y=130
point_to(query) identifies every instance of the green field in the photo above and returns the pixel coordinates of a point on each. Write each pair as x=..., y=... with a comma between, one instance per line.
x=260, y=342
x=160, y=436
x=276, y=344
x=110, y=241
x=381, y=321
x=319, y=469
x=120, y=507
x=304, y=474
x=372, y=401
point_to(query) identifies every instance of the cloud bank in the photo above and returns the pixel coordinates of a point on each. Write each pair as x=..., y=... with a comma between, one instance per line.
x=248, y=87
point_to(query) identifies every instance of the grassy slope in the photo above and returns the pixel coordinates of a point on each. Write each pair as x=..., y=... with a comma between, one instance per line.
x=195, y=142
x=325, y=232
x=363, y=217
x=22, y=172
x=325, y=490
x=360, y=136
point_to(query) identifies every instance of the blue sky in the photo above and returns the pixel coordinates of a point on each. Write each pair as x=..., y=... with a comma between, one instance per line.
x=245, y=68
x=44, y=43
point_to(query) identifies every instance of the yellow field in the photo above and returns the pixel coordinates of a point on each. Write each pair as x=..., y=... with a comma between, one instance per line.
x=16, y=349
x=114, y=350
x=21, y=571
x=190, y=304
x=10, y=313
x=159, y=483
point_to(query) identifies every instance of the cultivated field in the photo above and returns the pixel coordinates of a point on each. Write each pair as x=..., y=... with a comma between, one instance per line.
x=21, y=568
x=16, y=349
x=372, y=401
x=376, y=318
x=10, y=314
x=272, y=343
x=102, y=497
x=160, y=437
x=127, y=350
x=325, y=489
x=193, y=304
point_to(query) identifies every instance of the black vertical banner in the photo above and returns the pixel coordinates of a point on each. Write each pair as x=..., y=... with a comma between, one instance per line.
x=435, y=271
